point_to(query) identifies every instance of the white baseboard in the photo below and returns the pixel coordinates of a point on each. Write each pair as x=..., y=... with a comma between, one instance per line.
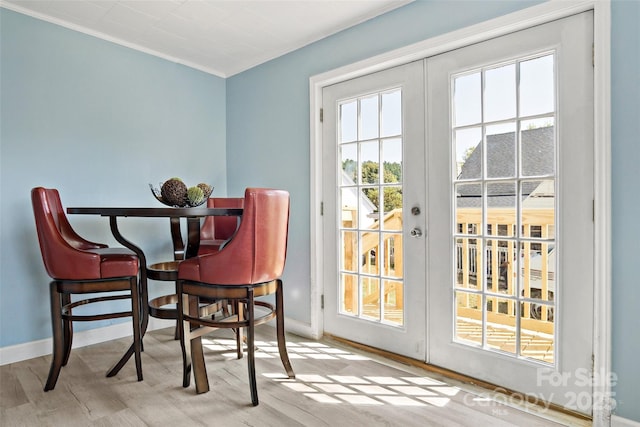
x=299, y=328
x=33, y=349
x=617, y=421
x=30, y=350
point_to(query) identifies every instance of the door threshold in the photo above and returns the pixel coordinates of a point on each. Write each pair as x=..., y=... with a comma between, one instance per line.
x=555, y=412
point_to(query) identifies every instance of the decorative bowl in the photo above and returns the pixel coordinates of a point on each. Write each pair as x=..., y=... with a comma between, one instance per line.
x=186, y=203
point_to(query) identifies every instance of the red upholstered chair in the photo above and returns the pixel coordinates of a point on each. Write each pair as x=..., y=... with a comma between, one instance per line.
x=78, y=266
x=247, y=267
x=216, y=230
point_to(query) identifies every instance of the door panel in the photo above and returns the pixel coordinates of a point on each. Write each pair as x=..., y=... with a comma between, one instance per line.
x=513, y=119
x=373, y=137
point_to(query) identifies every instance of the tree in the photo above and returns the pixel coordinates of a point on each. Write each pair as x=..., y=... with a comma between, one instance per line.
x=370, y=170
x=395, y=169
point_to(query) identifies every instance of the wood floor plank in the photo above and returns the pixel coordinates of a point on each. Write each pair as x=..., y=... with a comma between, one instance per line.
x=11, y=394
x=124, y=418
x=19, y=416
x=335, y=385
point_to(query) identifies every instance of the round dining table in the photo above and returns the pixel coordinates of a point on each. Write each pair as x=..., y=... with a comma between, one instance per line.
x=193, y=216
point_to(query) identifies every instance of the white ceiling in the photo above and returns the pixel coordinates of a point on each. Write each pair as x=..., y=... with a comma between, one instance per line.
x=221, y=37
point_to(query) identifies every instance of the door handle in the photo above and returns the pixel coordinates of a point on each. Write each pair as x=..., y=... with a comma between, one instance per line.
x=416, y=232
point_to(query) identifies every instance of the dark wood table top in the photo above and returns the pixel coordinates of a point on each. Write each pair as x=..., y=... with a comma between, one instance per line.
x=167, y=212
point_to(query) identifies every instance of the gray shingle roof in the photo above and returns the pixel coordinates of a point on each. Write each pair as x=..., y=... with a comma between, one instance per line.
x=537, y=156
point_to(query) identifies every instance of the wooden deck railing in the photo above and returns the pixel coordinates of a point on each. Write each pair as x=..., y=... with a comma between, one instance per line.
x=537, y=280
x=377, y=252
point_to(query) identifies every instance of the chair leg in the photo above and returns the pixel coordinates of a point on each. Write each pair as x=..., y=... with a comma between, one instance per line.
x=185, y=336
x=176, y=333
x=199, y=368
x=282, y=345
x=251, y=348
x=240, y=312
x=58, y=344
x=197, y=352
x=67, y=330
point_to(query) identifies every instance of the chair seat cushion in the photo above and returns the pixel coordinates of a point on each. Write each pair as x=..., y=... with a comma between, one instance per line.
x=190, y=269
x=116, y=262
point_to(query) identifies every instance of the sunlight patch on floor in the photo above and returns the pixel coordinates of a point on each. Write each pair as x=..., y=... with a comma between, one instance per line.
x=341, y=389
x=358, y=390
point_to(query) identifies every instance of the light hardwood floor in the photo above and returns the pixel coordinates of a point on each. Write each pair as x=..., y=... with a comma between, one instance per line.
x=335, y=385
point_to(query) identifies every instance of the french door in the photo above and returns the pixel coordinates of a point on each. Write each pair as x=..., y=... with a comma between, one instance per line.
x=371, y=144
x=458, y=210
x=510, y=170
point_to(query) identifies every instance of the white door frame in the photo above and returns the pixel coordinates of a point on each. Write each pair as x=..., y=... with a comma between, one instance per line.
x=539, y=14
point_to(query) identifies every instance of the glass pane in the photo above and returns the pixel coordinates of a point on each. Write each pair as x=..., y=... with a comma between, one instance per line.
x=501, y=151
x=392, y=197
x=370, y=246
x=538, y=209
x=392, y=160
x=392, y=258
x=349, y=207
x=369, y=157
x=349, y=157
x=468, y=153
x=349, y=294
x=349, y=251
x=536, y=336
x=547, y=272
x=391, y=114
x=462, y=263
x=370, y=297
x=538, y=271
x=531, y=265
x=369, y=207
x=500, y=331
x=468, y=208
x=541, y=311
x=537, y=86
x=469, y=317
x=537, y=144
x=500, y=266
x=393, y=302
x=501, y=207
x=468, y=263
x=467, y=100
x=349, y=121
x=369, y=117
x=500, y=93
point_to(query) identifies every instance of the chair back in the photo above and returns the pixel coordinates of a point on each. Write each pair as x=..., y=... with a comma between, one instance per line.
x=221, y=227
x=63, y=250
x=257, y=252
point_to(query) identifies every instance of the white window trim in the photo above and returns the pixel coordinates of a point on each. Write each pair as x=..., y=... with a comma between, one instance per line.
x=539, y=14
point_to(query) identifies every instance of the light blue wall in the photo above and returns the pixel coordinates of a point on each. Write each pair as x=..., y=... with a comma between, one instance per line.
x=625, y=134
x=268, y=141
x=99, y=122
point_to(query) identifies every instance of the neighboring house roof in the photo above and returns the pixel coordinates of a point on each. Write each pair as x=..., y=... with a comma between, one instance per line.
x=351, y=197
x=537, y=160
